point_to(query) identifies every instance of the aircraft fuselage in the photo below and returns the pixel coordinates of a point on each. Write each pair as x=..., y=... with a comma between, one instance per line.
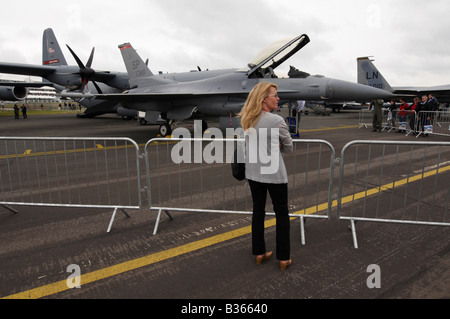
x=220, y=95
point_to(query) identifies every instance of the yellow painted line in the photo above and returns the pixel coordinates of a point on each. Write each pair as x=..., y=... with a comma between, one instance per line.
x=107, y=272
x=97, y=147
x=29, y=153
x=402, y=182
x=129, y=265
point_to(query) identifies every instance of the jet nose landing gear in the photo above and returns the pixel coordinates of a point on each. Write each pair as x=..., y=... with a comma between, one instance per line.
x=165, y=129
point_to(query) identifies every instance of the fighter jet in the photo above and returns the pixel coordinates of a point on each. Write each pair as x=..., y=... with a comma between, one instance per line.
x=369, y=75
x=224, y=92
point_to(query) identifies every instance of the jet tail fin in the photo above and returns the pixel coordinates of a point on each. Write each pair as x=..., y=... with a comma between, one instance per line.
x=369, y=75
x=136, y=67
x=51, y=51
x=139, y=73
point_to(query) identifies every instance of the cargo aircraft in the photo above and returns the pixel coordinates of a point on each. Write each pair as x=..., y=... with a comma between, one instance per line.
x=55, y=69
x=222, y=93
x=58, y=74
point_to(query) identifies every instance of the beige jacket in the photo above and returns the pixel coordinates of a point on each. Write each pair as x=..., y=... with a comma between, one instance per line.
x=263, y=147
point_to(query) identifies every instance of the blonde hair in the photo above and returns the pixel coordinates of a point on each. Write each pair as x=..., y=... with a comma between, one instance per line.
x=252, y=109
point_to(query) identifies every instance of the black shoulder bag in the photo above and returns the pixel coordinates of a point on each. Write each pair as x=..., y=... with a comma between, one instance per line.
x=237, y=168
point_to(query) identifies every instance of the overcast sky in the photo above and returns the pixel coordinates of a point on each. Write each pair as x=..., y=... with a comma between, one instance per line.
x=409, y=39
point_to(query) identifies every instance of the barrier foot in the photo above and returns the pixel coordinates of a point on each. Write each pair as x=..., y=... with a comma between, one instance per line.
x=353, y=229
x=158, y=219
x=168, y=215
x=302, y=230
x=10, y=209
x=113, y=217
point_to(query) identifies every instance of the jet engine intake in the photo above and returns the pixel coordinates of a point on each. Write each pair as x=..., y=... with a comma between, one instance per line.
x=13, y=93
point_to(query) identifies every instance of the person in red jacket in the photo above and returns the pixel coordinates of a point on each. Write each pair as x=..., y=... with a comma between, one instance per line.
x=412, y=115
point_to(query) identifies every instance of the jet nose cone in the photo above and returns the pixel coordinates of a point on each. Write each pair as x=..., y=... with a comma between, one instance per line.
x=348, y=91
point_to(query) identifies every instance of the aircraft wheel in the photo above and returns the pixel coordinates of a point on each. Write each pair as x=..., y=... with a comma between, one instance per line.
x=165, y=130
x=142, y=121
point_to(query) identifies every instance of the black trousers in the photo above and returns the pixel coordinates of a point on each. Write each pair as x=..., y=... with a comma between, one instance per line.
x=279, y=196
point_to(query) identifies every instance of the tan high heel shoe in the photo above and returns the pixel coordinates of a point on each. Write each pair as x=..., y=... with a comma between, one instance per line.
x=285, y=263
x=260, y=258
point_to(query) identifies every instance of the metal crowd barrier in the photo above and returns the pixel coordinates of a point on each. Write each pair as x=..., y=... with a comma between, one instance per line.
x=433, y=122
x=426, y=122
x=394, y=182
x=70, y=172
x=194, y=186
x=379, y=181
x=366, y=119
x=399, y=120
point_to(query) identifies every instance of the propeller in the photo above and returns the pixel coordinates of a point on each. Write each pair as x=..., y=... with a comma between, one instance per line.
x=86, y=72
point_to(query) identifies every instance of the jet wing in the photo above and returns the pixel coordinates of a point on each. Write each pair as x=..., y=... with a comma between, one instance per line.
x=276, y=53
x=104, y=76
x=26, y=84
x=441, y=92
x=142, y=97
x=145, y=97
x=26, y=69
x=441, y=89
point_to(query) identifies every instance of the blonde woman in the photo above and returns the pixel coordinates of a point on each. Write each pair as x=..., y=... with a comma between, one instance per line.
x=267, y=134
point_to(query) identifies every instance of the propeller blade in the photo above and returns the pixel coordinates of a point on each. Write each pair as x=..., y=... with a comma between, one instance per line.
x=86, y=72
x=91, y=57
x=80, y=64
x=98, y=88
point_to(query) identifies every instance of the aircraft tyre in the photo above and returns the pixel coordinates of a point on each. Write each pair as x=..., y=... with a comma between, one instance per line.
x=142, y=121
x=165, y=129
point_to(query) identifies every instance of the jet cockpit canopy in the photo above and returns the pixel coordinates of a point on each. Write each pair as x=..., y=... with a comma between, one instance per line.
x=275, y=54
